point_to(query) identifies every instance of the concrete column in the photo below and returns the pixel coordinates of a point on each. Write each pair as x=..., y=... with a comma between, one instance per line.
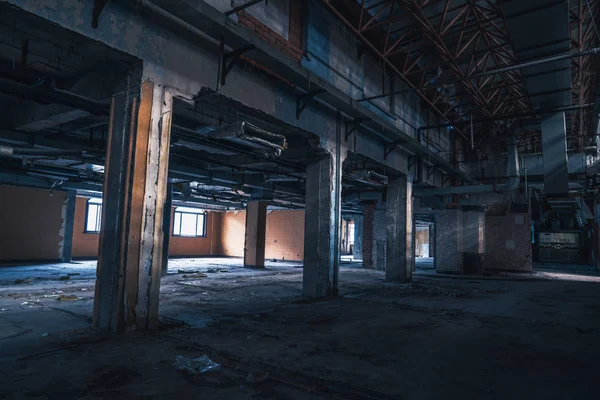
x=358, y=237
x=399, y=253
x=448, y=238
x=135, y=189
x=379, y=236
x=256, y=229
x=473, y=241
x=431, y=240
x=321, y=232
x=68, y=225
x=368, y=217
x=167, y=229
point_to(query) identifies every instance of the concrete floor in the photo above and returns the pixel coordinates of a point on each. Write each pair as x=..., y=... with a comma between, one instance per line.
x=507, y=336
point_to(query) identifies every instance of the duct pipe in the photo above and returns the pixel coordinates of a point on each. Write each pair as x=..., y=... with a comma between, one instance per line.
x=53, y=95
x=511, y=184
x=547, y=111
x=19, y=151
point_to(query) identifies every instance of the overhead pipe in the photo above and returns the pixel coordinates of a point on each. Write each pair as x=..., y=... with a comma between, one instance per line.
x=53, y=95
x=546, y=111
x=534, y=63
x=20, y=151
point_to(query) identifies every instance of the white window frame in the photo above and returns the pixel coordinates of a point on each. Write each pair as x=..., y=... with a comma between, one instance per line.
x=93, y=219
x=197, y=214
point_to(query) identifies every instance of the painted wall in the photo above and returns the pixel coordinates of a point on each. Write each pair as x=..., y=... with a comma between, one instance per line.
x=31, y=223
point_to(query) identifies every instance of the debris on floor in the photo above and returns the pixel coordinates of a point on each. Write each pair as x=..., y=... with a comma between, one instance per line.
x=198, y=365
x=23, y=281
x=64, y=278
x=67, y=297
x=194, y=276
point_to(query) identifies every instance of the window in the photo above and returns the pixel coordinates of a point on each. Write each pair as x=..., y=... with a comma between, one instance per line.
x=93, y=216
x=189, y=222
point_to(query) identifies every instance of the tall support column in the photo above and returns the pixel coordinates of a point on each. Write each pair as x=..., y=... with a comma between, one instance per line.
x=320, y=244
x=399, y=253
x=431, y=240
x=256, y=229
x=448, y=238
x=135, y=189
x=167, y=213
x=358, y=237
x=368, y=241
x=68, y=225
x=379, y=236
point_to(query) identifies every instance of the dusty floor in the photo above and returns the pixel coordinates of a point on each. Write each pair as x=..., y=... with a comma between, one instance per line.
x=509, y=337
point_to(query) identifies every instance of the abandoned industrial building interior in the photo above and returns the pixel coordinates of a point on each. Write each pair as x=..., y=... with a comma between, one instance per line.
x=299, y=199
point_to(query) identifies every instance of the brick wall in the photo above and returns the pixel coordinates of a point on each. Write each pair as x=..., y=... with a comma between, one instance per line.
x=291, y=46
x=448, y=238
x=181, y=246
x=85, y=245
x=369, y=213
x=232, y=235
x=284, y=236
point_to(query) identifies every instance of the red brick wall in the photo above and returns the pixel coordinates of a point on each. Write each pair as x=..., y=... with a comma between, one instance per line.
x=368, y=235
x=285, y=235
x=292, y=46
x=232, y=234
x=85, y=245
x=190, y=246
x=284, y=239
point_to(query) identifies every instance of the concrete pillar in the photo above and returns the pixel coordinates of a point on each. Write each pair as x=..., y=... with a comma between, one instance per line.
x=167, y=229
x=321, y=233
x=135, y=189
x=68, y=225
x=368, y=217
x=431, y=240
x=473, y=241
x=358, y=237
x=448, y=240
x=379, y=236
x=256, y=229
x=400, y=252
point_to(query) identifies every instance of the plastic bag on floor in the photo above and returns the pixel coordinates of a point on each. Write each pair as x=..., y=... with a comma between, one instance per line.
x=198, y=365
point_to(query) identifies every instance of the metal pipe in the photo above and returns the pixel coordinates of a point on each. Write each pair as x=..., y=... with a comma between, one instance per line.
x=53, y=95
x=20, y=151
x=511, y=116
x=533, y=63
x=178, y=21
